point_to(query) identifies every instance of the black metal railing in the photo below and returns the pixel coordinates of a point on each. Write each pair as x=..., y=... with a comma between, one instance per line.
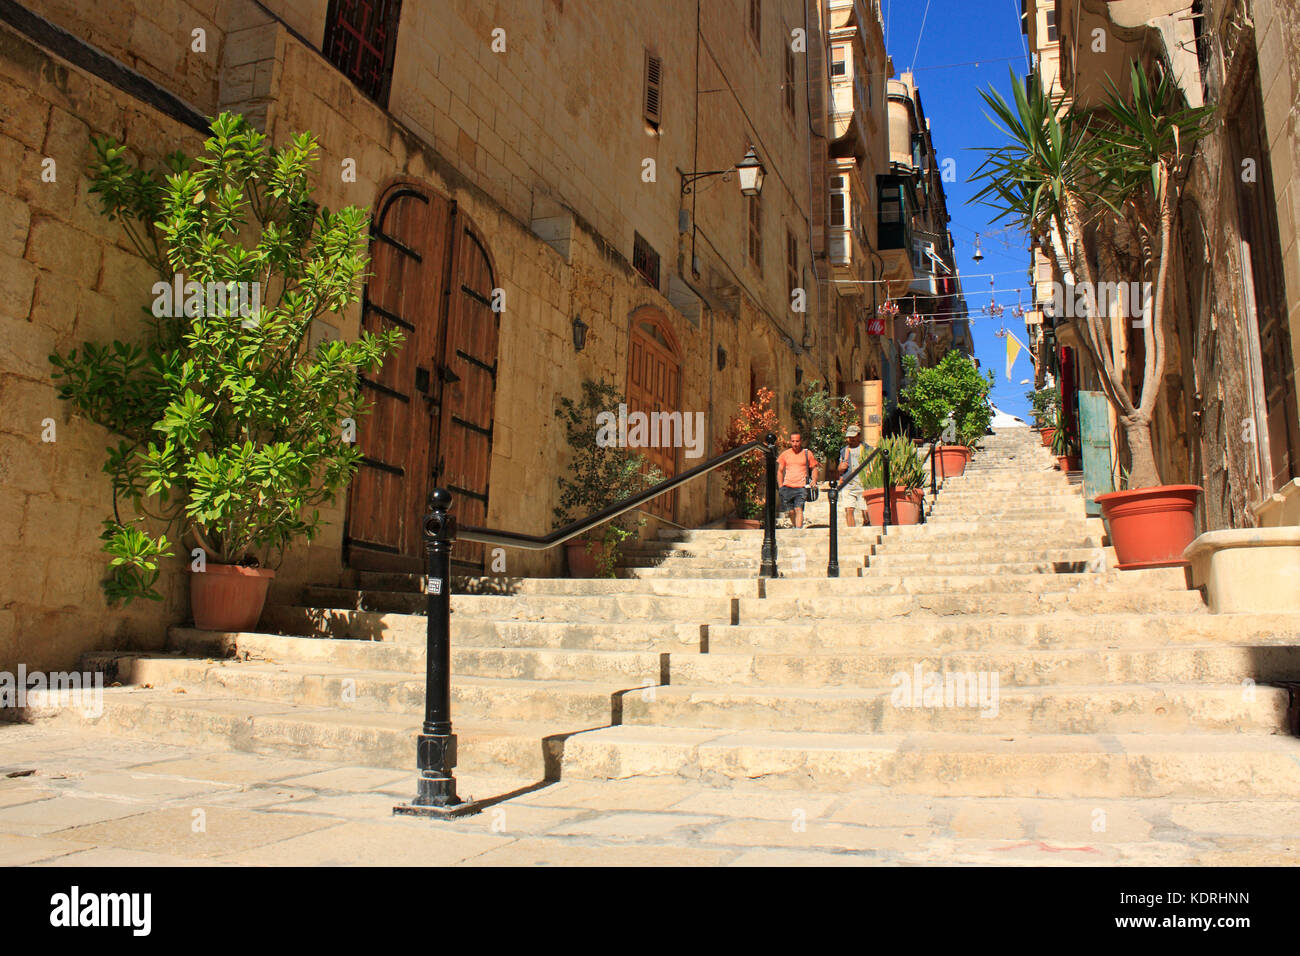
x=887, y=486
x=436, y=745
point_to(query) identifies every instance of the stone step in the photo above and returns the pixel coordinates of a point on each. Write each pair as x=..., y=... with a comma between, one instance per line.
x=743, y=586
x=333, y=734
x=630, y=668
x=331, y=685
x=482, y=632
x=1018, y=666
x=966, y=702
x=1006, y=544
x=881, y=582
x=927, y=636
x=530, y=607
x=918, y=565
x=1221, y=766
x=889, y=559
x=881, y=609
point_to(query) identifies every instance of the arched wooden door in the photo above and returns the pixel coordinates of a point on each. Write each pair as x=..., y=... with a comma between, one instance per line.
x=431, y=403
x=654, y=379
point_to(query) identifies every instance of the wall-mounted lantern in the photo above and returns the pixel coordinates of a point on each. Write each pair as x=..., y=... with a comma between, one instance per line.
x=579, y=333
x=722, y=358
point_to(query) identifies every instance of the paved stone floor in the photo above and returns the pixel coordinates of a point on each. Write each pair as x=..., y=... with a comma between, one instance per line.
x=78, y=798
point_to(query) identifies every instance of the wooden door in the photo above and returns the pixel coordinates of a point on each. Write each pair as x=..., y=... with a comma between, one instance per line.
x=469, y=374
x=432, y=402
x=386, y=501
x=654, y=385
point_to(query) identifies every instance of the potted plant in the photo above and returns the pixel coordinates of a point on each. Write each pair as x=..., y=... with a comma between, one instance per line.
x=746, y=475
x=1115, y=174
x=948, y=402
x=1045, y=404
x=1051, y=423
x=906, y=475
x=226, y=423
x=822, y=420
x=600, y=474
x=1065, y=446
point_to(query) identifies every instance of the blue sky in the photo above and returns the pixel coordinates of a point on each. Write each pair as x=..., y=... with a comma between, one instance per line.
x=966, y=46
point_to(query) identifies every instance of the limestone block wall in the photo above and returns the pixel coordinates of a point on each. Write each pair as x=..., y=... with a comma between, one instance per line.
x=67, y=275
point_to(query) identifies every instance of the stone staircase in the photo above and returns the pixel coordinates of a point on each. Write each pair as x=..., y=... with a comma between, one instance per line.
x=689, y=667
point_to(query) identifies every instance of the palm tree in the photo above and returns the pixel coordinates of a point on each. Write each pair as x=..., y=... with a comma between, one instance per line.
x=1065, y=169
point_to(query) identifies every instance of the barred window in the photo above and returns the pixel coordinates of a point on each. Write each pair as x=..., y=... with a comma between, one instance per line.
x=360, y=37
x=645, y=260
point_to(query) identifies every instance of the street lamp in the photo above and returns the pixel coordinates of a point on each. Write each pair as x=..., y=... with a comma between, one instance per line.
x=749, y=170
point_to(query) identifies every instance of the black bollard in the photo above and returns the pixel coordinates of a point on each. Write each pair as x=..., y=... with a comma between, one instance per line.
x=889, y=492
x=833, y=498
x=436, y=746
x=767, y=569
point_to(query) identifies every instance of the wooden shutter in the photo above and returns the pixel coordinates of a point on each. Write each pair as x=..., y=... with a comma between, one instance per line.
x=654, y=72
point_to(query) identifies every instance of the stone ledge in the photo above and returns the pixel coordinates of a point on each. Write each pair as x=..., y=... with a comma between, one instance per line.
x=1250, y=569
x=1281, y=508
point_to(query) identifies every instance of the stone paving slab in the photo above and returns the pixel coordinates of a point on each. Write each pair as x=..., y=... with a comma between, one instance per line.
x=109, y=806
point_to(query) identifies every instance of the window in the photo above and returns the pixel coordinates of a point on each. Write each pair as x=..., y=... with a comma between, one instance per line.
x=891, y=205
x=789, y=79
x=1051, y=26
x=654, y=74
x=756, y=21
x=839, y=61
x=791, y=263
x=755, y=220
x=645, y=260
x=360, y=36
x=837, y=209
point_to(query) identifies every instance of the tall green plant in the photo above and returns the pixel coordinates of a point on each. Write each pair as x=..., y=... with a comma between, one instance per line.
x=1044, y=402
x=1063, y=169
x=600, y=473
x=822, y=419
x=949, y=400
x=228, y=423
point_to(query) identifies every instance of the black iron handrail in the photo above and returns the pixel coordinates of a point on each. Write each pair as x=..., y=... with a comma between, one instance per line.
x=540, y=542
x=833, y=494
x=436, y=745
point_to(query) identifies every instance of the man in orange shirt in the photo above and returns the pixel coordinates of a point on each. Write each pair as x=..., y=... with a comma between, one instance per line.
x=796, y=469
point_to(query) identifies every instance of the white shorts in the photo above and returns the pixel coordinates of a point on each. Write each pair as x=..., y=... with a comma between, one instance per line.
x=852, y=497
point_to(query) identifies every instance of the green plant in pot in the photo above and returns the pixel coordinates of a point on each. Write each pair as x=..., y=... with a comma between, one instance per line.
x=226, y=423
x=1043, y=403
x=822, y=419
x=746, y=475
x=948, y=402
x=1066, y=448
x=1084, y=181
x=599, y=475
x=906, y=475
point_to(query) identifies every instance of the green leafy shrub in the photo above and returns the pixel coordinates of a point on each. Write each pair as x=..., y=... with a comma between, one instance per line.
x=227, y=423
x=1044, y=402
x=948, y=401
x=599, y=474
x=822, y=420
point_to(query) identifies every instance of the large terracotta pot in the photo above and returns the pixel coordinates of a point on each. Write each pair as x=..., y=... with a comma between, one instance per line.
x=1151, y=527
x=906, y=506
x=582, y=562
x=226, y=597
x=744, y=524
x=950, y=460
x=1046, y=434
x=1068, y=463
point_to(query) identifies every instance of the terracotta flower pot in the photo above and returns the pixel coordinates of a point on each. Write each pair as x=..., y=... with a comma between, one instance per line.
x=226, y=597
x=906, y=506
x=1068, y=462
x=950, y=460
x=582, y=562
x=1046, y=434
x=744, y=524
x=1151, y=527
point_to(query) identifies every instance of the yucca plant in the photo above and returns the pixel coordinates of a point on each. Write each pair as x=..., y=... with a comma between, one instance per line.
x=906, y=470
x=1065, y=168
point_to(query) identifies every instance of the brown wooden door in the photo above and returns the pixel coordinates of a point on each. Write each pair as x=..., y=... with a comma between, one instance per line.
x=431, y=403
x=469, y=388
x=654, y=385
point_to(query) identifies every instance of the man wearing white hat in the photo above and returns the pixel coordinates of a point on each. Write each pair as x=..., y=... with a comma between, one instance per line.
x=852, y=495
